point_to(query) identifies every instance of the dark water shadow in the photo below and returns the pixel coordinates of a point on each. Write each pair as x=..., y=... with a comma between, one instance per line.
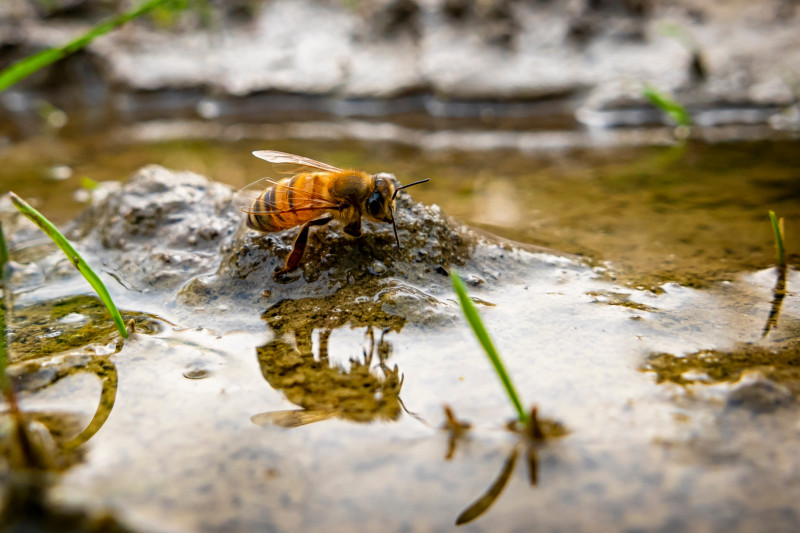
x=367, y=391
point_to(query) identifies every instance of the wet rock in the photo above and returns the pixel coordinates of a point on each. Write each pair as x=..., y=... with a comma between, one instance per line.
x=160, y=229
x=174, y=241
x=388, y=18
x=763, y=370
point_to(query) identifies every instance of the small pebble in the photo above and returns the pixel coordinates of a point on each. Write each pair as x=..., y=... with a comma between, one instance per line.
x=475, y=281
x=196, y=373
x=377, y=268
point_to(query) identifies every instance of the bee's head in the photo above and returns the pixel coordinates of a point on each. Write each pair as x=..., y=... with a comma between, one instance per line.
x=380, y=204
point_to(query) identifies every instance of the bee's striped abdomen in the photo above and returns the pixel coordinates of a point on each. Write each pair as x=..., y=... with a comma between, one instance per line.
x=291, y=202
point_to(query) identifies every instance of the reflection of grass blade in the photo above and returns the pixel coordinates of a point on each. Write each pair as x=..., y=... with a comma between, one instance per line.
x=667, y=105
x=476, y=323
x=778, y=294
x=74, y=257
x=777, y=229
x=484, y=502
x=107, y=372
x=27, y=66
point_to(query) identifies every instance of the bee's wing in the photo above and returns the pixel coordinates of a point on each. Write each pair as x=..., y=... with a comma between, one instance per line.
x=245, y=199
x=292, y=418
x=282, y=157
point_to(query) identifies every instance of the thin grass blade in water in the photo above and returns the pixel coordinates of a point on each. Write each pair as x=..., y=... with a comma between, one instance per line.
x=3, y=253
x=476, y=323
x=27, y=66
x=482, y=504
x=667, y=105
x=777, y=229
x=779, y=293
x=73, y=256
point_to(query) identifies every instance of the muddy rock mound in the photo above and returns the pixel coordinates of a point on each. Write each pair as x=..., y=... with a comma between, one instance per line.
x=159, y=229
x=177, y=237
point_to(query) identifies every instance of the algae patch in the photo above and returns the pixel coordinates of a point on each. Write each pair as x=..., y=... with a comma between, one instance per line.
x=618, y=298
x=54, y=326
x=779, y=363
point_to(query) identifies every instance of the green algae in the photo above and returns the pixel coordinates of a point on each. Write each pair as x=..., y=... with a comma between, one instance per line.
x=779, y=362
x=621, y=299
x=54, y=326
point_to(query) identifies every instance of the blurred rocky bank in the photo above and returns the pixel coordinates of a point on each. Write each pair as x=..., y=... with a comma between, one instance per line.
x=585, y=61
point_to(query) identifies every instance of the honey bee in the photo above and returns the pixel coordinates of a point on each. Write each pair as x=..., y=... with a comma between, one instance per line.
x=315, y=196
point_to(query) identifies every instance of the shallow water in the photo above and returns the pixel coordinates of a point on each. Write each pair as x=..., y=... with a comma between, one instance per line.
x=691, y=213
x=203, y=431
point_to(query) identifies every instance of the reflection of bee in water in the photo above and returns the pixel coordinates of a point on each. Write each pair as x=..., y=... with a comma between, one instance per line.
x=315, y=197
x=324, y=390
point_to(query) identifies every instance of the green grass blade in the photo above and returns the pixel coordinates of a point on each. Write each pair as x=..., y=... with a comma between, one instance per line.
x=477, y=326
x=73, y=256
x=27, y=66
x=667, y=105
x=777, y=229
x=3, y=253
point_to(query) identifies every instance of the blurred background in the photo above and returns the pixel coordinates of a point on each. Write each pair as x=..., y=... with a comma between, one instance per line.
x=652, y=134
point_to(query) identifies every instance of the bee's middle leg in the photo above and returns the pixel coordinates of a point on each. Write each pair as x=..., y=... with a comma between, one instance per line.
x=293, y=261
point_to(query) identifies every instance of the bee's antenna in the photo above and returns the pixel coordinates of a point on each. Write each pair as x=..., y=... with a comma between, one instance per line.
x=409, y=185
x=394, y=225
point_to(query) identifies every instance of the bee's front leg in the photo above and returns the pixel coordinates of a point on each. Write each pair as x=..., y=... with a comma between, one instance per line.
x=293, y=261
x=354, y=228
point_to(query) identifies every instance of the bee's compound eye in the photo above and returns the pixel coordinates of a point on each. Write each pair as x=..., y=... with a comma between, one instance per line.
x=375, y=205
